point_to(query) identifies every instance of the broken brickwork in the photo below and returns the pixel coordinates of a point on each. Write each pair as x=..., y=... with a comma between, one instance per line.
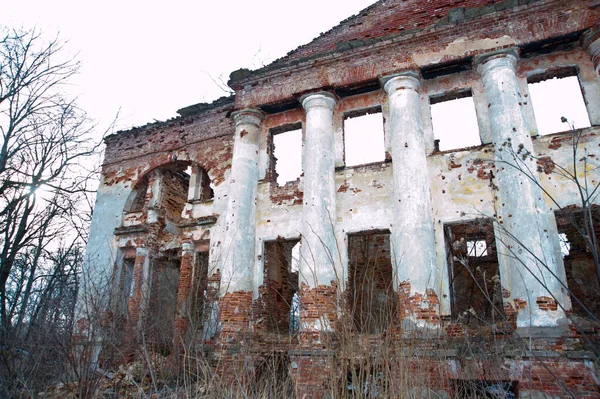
x=451, y=273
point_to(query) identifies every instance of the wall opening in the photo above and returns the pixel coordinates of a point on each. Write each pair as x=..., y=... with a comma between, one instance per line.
x=364, y=137
x=280, y=287
x=137, y=198
x=163, y=301
x=557, y=94
x=173, y=191
x=484, y=389
x=368, y=381
x=454, y=120
x=475, y=290
x=200, y=188
x=127, y=288
x=166, y=189
x=371, y=296
x=579, y=263
x=199, y=292
x=286, y=153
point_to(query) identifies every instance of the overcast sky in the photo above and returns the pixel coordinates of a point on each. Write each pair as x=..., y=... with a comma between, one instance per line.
x=151, y=58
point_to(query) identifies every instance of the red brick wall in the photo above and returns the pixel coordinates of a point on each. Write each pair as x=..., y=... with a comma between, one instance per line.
x=538, y=21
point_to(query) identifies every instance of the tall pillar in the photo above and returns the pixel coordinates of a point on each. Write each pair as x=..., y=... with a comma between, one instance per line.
x=591, y=43
x=318, y=251
x=412, y=235
x=238, y=250
x=527, y=259
x=186, y=274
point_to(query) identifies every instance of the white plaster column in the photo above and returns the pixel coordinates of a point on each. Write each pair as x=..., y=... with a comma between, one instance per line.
x=591, y=43
x=318, y=253
x=527, y=259
x=238, y=249
x=412, y=232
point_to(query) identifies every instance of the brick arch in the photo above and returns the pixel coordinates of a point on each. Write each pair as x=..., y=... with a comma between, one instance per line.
x=200, y=176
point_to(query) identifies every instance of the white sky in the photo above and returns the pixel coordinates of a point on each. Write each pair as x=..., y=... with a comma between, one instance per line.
x=363, y=139
x=151, y=58
x=455, y=123
x=554, y=98
x=288, y=151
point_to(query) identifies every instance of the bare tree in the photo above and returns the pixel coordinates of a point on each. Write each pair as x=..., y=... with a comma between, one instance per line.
x=45, y=148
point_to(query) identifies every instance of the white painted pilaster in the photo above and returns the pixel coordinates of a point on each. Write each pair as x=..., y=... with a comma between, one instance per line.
x=527, y=259
x=412, y=232
x=238, y=250
x=319, y=255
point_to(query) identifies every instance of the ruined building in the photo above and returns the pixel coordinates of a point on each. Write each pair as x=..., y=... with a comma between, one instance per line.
x=474, y=262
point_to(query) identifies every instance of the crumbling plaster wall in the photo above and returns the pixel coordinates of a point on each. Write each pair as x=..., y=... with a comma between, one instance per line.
x=203, y=139
x=461, y=179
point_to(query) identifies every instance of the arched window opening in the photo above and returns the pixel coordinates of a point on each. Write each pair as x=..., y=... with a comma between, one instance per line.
x=137, y=198
x=200, y=189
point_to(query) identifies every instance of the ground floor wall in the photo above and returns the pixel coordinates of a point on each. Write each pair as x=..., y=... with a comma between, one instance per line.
x=382, y=366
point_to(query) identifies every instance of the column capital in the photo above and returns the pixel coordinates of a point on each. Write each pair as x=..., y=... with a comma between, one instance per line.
x=498, y=59
x=247, y=116
x=322, y=99
x=591, y=44
x=187, y=247
x=403, y=80
x=141, y=251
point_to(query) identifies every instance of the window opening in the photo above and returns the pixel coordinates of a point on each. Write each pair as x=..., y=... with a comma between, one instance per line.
x=578, y=259
x=137, y=198
x=279, y=292
x=364, y=137
x=200, y=186
x=476, y=293
x=565, y=245
x=287, y=154
x=477, y=248
x=199, y=293
x=371, y=296
x=556, y=96
x=128, y=281
x=163, y=301
x=368, y=381
x=455, y=121
x=295, y=306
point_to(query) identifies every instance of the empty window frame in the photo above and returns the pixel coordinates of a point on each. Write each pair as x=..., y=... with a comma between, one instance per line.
x=286, y=160
x=371, y=298
x=280, y=311
x=199, y=291
x=200, y=189
x=363, y=137
x=128, y=278
x=554, y=95
x=160, y=320
x=137, y=198
x=126, y=286
x=578, y=259
x=476, y=293
x=454, y=120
